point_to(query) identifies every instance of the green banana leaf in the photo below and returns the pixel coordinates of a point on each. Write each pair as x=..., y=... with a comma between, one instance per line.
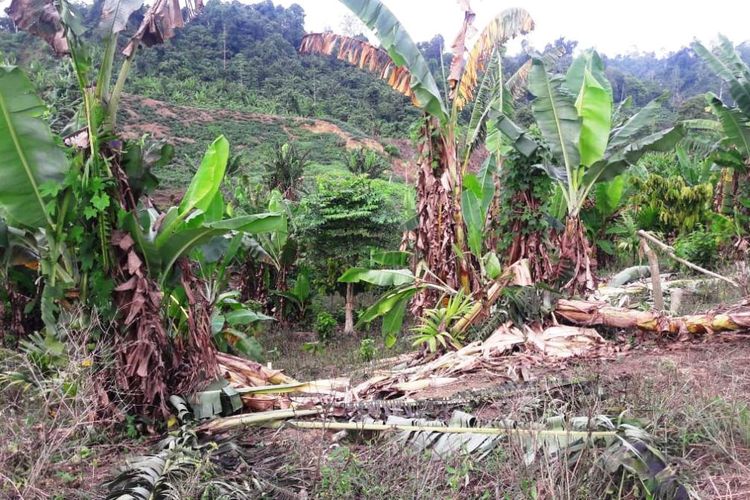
x=378, y=277
x=386, y=302
x=614, y=164
x=516, y=135
x=733, y=123
x=589, y=60
x=636, y=125
x=479, y=190
x=391, y=306
x=730, y=68
x=29, y=156
x=207, y=180
x=594, y=105
x=182, y=241
x=609, y=196
x=403, y=51
x=556, y=116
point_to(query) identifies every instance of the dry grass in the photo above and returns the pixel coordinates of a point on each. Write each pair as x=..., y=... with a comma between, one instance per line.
x=54, y=444
x=693, y=398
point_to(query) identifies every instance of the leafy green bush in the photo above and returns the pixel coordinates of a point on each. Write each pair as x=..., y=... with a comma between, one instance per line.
x=365, y=161
x=325, y=324
x=367, y=350
x=699, y=247
x=392, y=150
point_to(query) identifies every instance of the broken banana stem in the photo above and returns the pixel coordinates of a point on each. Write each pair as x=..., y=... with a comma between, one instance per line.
x=584, y=313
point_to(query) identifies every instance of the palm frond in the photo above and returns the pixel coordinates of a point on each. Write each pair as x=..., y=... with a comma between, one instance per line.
x=361, y=54
x=629, y=451
x=506, y=26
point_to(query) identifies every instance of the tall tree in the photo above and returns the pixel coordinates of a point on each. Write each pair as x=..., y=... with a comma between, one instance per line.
x=343, y=220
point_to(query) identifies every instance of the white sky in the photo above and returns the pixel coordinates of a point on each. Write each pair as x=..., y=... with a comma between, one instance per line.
x=612, y=27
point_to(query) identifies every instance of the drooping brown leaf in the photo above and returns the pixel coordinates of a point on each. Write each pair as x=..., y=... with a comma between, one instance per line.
x=506, y=26
x=361, y=54
x=459, y=45
x=160, y=22
x=40, y=18
x=151, y=365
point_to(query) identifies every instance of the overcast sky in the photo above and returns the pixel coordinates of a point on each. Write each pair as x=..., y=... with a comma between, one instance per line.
x=613, y=27
x=610, y=26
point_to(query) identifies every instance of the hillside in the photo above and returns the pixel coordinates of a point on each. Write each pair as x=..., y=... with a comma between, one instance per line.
x=252, y=135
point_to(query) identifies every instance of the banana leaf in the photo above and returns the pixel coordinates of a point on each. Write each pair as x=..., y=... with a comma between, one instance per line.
x=403, y=51
x=378, y=277
x=29, y=156
x=556, y=115
x=734, y=124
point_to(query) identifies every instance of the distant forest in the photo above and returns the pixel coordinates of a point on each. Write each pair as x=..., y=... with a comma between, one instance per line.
x=244, y=57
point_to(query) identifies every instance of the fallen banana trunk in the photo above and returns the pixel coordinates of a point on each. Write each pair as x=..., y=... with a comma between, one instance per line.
x=584, y=313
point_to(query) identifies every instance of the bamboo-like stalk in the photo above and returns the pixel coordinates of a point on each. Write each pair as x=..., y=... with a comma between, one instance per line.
x=254, y=419
x=670, y=252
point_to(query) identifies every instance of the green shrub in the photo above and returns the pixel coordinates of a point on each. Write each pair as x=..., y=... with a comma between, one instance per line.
x=367, y=350
x=699, y=247
x=325, y=324
x=392, y=150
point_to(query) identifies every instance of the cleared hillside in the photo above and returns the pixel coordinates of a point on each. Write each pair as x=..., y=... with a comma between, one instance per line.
x=253, y=135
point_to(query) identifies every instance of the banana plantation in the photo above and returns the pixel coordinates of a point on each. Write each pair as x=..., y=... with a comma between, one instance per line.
x=242, y=259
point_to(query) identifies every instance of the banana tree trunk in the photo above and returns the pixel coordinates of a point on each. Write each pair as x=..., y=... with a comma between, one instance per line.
x=529, y=245
x=440, y=235
x=349, y=310
x=584, y=313
x=577, y=264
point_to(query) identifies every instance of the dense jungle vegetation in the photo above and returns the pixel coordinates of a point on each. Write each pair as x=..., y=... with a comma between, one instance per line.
x=271, y=263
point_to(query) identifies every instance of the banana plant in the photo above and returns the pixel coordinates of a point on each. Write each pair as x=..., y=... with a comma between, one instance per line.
x=299, y=295
x=732, y=152
x=391, y=306
x=445, y=147
x=80, y=200
x=574, y=113
x=198, y=219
